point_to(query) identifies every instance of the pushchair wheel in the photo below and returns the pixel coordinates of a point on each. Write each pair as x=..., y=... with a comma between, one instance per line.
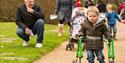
x=70, y=46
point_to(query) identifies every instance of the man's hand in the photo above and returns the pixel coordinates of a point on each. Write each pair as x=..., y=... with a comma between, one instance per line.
x=28, y=31
x=30, y=10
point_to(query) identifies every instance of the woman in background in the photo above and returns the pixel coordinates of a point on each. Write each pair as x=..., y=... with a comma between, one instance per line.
x=64, y=11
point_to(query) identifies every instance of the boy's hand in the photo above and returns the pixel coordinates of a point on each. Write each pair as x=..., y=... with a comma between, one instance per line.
x=110, y=40
x=123, y=21
x=81, y=38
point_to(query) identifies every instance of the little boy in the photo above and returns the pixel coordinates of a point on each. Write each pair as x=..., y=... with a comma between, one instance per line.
x=111, y=19
x=92, y=30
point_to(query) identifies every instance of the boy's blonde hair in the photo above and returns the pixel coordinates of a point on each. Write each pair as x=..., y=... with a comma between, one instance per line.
x=93, y=9
x=109, y=6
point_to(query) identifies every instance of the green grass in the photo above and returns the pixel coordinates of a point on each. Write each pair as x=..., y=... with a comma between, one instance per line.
x=15, y=48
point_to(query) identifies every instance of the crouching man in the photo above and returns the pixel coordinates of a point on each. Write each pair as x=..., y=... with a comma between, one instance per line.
x=30, y=21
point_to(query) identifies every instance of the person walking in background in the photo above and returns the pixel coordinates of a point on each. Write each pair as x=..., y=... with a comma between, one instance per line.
x=111, y=16
x=101, y=6
x=64, y=11
x=122, y=14
x=78, y=3
x=92, y=31
x=121, y=6
x=30, y=21
x=88, y=3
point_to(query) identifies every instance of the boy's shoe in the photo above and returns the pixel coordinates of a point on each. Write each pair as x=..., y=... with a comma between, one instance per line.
x=25, y=43
x=38, y=45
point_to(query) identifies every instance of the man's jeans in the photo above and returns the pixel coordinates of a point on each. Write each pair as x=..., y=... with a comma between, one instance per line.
x=91, y=56
x=38, y=28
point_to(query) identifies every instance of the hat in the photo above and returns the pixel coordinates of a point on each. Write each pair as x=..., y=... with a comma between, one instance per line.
x=78, y=3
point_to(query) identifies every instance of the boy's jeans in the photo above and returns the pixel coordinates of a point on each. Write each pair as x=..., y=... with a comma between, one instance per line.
x=91, y=55
x=38, y=28
x=112, y=28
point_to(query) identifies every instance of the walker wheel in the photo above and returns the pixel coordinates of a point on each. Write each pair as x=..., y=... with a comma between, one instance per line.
x=111, y=61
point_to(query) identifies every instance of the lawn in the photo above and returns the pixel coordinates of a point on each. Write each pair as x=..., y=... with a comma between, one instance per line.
x=12, y=51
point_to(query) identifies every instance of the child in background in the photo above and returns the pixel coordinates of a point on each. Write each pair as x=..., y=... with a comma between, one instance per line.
x=122, y=14
x=92, y=31
x=121, y=6
x=111, y=16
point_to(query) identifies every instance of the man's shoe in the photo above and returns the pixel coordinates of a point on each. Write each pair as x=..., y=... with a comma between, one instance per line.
x=38, y=45
x=25, y=43
x=59, y=34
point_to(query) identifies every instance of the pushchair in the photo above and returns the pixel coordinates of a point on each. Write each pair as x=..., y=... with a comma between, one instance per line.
x=78, y=16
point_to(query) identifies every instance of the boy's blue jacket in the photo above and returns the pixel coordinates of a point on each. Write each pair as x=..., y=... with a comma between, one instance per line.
x=111, y=17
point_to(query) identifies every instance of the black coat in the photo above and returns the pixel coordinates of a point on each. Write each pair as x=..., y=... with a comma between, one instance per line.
x=25, y=19
x=102, y=7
